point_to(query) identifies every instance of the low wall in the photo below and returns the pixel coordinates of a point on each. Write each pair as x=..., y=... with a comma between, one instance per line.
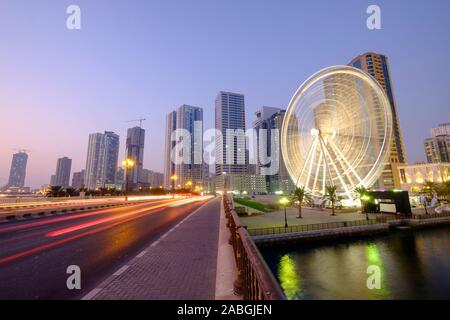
x=325, y=234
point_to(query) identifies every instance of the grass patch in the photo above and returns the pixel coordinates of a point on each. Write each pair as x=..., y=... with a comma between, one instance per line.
x=252, y=204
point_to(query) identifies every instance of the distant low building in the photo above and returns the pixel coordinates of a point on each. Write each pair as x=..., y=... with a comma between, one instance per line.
x=249, y=183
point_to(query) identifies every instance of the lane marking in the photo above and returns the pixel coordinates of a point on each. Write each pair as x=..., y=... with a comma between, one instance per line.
x=121, y=270
x=141, y=254
x=91, y=294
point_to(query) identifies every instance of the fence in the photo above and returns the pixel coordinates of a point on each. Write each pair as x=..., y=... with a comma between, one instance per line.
x=255, y=280
x=431, y=215
x=317, y=226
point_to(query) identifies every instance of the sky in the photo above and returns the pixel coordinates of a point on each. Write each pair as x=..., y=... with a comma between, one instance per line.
x=134, y=59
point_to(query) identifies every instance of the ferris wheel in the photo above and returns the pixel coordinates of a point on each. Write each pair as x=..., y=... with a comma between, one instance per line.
x=337, y=131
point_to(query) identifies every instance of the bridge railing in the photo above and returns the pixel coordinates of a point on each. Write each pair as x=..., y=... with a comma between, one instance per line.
x=255, y=280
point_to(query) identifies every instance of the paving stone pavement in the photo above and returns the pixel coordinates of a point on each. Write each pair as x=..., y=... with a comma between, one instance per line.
x=180, y=266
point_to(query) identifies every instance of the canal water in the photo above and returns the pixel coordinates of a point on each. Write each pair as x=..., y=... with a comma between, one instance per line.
x=408, y=265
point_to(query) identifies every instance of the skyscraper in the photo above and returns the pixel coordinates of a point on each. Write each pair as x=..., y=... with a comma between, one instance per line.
x=63, y=167
x=120, y=178
x=231, y=152
x=78, y=180
x=190, y=119
x=93, y=161
x=437, y=148
x=135, y=151
x=230, y=120
x=377, y=66
x=169, y=165
x=18, y=170
x=101, y=161
x=276, y=175
x=109, y=155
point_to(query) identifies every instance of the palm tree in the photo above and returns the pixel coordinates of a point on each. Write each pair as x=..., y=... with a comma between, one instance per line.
x=300, y=195
x=360, y=191
x=330, y=195
x=55, y=191
x=71, y=191
x=429, y=187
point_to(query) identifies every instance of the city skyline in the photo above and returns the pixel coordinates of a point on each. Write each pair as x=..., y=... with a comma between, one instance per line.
x=136, y=86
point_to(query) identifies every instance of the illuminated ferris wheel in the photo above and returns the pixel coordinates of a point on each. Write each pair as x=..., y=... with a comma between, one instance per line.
x=337, y=131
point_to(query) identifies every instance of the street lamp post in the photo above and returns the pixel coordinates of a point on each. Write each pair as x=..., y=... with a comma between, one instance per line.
x=128, y=164
x=284, y=202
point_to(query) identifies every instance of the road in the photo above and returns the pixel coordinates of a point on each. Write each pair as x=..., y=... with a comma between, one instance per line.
x=35, y=253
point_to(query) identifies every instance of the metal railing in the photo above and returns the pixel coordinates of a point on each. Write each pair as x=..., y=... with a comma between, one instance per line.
x=255, y=280
x=431, y=215
x=314, y=227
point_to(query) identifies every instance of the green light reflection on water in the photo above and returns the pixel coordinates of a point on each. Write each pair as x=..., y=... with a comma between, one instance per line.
x=374, y=258
x=289, y=278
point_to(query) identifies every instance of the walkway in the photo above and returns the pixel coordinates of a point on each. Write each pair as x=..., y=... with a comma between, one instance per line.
x=181, y=265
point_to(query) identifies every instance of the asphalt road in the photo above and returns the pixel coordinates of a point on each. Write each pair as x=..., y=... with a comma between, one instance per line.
x=35, y=253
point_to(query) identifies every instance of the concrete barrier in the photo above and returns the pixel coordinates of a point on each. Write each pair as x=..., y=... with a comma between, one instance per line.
x=37, y=212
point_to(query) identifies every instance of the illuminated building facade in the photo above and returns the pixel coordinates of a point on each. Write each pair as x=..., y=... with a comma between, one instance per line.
x=377, y=66
x=413, y=176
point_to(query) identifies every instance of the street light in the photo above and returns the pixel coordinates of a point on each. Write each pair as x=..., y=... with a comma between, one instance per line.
x=128, y=164
x=284, y=202
x=188, y=185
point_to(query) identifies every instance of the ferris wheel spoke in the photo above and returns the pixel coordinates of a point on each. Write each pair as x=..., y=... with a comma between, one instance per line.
x=306, y=160
x=335, y=147
x=317, y=171
x=341, y=179
x=311, y=162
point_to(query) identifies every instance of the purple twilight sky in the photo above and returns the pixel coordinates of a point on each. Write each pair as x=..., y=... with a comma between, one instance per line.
x=135, y=59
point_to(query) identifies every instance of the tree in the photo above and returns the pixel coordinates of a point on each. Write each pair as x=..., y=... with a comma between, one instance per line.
x=360, y=192
x=71, y=191
x=330, y=195
x=443, y=189
x=55, y=191
x=429, y=187
x=300, y=196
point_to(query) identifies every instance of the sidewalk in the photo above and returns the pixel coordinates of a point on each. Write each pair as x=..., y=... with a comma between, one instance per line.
x=181, y=265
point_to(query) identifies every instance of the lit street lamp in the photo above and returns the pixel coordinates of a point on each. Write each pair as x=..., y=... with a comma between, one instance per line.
x=128, y=164
x=284, y=202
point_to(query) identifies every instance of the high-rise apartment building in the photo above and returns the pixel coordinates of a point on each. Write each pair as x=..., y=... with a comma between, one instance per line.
x=101, y=161
x=18, y=170
x=377, y=66
x=231, y=153
x=135, y=151
x=153, y=179
x=120, y=178
x=230, y=121
x=275, y=172
x=190, y=127
x=109, y=156
x=169, y=165
x=441, y=130
x=62, y=175
x=78, y=180
x=437, y=148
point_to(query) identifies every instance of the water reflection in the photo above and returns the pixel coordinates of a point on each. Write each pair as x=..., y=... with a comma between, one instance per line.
x=374, y=259
x=289, y=278
x=412, y=265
